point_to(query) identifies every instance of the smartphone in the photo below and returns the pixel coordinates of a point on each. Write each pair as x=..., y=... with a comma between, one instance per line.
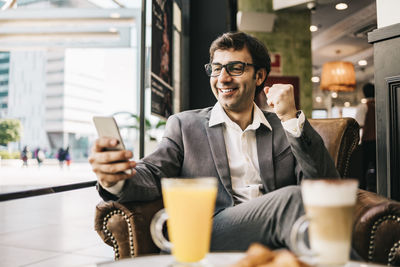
x=107, y=127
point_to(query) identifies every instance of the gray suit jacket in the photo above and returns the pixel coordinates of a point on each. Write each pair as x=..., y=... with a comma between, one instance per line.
x=190, y=148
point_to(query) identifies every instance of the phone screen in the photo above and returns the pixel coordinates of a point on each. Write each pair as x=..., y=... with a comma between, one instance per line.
x=107, y=127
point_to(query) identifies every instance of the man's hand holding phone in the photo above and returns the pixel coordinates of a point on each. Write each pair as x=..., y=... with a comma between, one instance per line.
x=111, y=166
x=109, y=158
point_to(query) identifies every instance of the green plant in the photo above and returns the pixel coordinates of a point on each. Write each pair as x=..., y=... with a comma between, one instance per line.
x=10, y=131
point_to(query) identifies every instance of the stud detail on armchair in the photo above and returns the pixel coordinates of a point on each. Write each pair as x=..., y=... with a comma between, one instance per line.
x=375, y=227
x=392, y=253
x=352, y=147
x=107, y=232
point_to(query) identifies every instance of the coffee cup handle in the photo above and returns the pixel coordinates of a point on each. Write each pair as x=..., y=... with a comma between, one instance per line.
x=298, y=237
x=156, y=232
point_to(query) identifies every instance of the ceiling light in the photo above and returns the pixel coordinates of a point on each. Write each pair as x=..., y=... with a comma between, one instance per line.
x=341, y=6
x=362, y=62
x=312, y=5
x=364, y=100
x=334, y=95
x=338, y=76
x=318, y=99
x=313, y=28
x=347, y=104
x=315, y=79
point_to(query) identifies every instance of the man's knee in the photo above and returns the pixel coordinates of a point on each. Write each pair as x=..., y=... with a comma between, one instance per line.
x=289, y=193
x=289, y=203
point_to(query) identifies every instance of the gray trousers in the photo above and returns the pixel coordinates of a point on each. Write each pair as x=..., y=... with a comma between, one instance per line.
x=267, y=219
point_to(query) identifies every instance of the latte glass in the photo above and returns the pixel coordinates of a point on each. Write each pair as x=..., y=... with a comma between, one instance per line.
x=329, y=206
x=189, y=206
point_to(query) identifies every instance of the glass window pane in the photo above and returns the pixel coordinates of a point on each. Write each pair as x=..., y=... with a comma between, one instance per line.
x=55, y=75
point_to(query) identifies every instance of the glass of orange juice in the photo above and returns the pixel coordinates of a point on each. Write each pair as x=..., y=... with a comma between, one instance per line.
x=189, y=206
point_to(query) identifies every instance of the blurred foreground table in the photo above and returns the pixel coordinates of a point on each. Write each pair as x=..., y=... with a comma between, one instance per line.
x=214, y=259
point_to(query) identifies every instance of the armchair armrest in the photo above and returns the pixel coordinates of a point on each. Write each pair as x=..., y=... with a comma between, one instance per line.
x=126, y=226
x=376, y=234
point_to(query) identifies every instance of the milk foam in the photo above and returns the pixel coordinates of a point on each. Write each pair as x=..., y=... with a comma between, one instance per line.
x=328, y=193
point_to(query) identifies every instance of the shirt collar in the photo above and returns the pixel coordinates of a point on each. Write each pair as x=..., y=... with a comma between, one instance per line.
x=218, y=116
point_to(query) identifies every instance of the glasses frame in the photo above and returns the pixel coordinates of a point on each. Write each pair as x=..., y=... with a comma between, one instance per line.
x=208, y=66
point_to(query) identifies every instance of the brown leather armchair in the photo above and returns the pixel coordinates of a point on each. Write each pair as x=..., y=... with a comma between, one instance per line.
x=376, y=235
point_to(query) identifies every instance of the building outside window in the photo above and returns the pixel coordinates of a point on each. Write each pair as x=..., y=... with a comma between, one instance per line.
x=61, y=63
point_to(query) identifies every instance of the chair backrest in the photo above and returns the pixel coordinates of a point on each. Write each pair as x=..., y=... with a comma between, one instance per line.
x=341, y=137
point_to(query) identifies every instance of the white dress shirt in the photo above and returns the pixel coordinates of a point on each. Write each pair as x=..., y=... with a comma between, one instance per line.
x=241, y=149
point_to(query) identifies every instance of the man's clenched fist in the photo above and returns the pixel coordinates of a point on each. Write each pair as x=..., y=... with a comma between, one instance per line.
x=281, y=98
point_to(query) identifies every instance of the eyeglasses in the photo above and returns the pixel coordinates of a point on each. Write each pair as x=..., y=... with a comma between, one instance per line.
x=234, y=68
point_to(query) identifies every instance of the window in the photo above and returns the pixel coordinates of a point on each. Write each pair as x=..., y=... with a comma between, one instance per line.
x=62, y=63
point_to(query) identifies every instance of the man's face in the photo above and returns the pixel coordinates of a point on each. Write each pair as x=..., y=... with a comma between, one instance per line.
x=235, y=93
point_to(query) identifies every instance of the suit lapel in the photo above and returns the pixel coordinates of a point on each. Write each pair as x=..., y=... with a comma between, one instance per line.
x=265, y=157
x=217, y=145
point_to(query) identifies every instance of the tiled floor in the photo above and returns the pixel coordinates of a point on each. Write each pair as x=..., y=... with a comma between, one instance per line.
x=51, y=230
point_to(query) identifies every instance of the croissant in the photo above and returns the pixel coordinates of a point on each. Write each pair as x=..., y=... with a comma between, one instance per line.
x=258, y=255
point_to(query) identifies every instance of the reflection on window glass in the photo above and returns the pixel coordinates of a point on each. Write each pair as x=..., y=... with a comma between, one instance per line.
x=49, y=94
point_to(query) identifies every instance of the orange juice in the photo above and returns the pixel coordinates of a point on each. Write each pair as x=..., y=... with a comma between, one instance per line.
x=190, y=206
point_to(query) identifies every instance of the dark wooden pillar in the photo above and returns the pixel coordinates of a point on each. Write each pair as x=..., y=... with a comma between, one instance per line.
x=386, y=42
x=208, y=20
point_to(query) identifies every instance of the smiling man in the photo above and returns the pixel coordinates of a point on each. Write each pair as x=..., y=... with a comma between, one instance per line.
x=258, y=157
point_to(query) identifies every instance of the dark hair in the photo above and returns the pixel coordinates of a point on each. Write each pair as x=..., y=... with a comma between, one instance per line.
x=239, y=40
x=369, y=90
